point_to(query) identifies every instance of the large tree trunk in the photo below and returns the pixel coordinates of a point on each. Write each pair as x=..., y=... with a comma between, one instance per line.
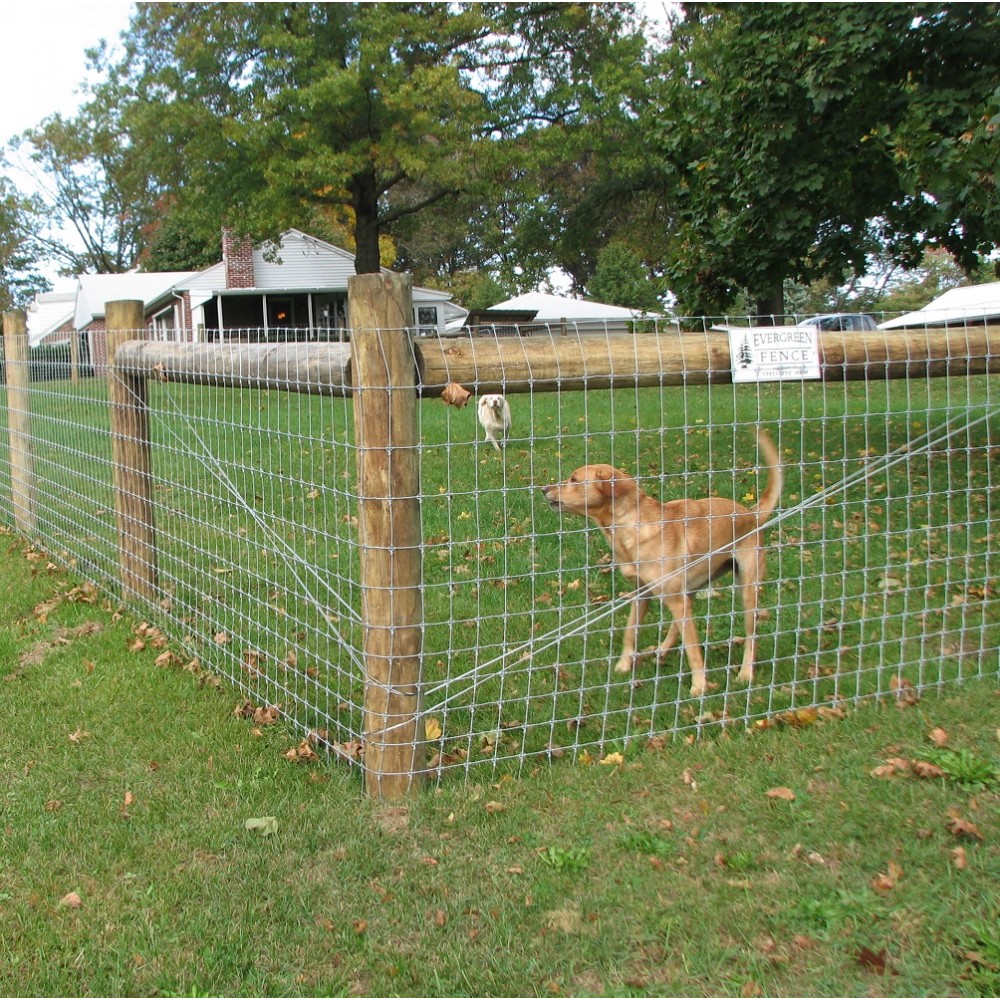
x=770, y=307
x=364, y=200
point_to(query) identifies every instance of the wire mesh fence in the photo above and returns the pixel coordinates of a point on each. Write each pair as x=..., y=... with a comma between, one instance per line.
x=881, y=559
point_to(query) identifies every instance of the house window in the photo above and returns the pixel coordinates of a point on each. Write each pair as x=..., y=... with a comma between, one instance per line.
x=280, y=313
x=427, y=320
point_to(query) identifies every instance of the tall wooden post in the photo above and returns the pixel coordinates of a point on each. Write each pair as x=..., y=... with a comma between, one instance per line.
x=130, y=454
x=22, y=453
x=385, y=420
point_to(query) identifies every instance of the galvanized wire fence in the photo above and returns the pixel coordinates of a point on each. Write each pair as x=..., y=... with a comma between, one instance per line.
x=882, y=559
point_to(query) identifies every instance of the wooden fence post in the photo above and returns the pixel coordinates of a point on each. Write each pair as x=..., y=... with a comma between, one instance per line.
x=22, y=453
x=130, y=455
x=389, y=531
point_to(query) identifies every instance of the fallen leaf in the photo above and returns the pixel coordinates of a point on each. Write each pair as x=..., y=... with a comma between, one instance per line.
x=959, y=859
x=938, y=736
x=432, y=729
x=455, y=395
x=781, y=793
x=78, y=736
x=72, y=900
x=959, y=827
x=264, y=825
x=874, y=961
x=612, y=759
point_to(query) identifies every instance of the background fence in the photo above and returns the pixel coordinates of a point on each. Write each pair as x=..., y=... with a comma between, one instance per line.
x=346, y=548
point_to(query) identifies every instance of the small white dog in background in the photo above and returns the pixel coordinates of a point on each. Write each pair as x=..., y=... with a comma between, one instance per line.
x=494, y=415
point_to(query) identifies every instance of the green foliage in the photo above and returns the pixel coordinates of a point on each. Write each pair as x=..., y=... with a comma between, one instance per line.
x=793, y=135
x=257, y=114
x=566, y=859
x=965, y=769
x=19, y=224
x=621, y=279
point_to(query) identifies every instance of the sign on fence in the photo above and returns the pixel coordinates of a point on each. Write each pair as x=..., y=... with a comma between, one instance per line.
x=773, y=353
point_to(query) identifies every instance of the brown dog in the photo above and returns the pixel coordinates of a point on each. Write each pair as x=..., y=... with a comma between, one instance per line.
x=671, y=550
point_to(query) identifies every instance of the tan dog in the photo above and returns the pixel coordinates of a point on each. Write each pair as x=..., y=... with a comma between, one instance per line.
x=671, y=550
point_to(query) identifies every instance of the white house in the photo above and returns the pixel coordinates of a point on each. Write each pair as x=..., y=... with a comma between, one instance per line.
x=50, y=318
x=958, y=306
x=296, y=290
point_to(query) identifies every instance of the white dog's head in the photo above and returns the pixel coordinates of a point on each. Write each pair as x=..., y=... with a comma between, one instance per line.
x=494, y=411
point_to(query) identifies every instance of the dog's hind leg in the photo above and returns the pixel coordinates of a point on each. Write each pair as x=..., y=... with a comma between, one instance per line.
x=631, y=640
x=751, y=571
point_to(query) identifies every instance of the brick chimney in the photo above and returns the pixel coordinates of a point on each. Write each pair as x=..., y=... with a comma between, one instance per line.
x=237, y=255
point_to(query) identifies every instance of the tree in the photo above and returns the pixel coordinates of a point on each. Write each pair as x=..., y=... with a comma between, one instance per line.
x=94, y=208
x=621, y=279
x=256, y=115
x=20, y=278
x=791, y=133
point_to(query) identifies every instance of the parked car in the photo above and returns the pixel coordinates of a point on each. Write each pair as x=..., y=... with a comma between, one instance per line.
x=840, y=321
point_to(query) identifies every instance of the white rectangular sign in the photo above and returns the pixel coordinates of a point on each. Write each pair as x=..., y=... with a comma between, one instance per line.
x=772, y=353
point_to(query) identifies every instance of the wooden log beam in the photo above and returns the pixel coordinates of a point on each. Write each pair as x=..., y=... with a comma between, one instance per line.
x=547, y=363
x=322, y=369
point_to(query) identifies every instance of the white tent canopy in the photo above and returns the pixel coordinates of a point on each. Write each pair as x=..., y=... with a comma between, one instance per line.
x=968, y=304
x=552, y=308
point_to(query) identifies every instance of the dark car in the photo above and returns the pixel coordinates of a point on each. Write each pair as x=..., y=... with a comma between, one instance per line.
x=840, y=321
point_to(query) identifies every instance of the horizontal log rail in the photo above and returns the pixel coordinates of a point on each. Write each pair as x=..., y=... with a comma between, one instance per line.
x=539, y=363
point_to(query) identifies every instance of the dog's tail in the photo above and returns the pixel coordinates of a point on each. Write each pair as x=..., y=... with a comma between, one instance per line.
x=772, y=491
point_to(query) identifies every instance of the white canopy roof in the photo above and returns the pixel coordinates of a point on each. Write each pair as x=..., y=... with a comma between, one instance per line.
x=970, y=303
x=552, y=308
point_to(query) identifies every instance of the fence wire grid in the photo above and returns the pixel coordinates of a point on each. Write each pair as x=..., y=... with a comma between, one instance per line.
x=882, y=557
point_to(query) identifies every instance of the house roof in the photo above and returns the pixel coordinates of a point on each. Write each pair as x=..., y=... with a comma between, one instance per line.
x=552, y=308
x=49, y=312
x=94, y=290
x=970, y=303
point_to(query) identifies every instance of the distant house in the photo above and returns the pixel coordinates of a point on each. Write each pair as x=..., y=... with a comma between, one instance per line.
x=50, y=318
x=296, y=290
x=970, y=304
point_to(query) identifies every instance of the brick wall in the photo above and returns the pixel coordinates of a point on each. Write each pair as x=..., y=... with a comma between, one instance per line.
x=237, y=256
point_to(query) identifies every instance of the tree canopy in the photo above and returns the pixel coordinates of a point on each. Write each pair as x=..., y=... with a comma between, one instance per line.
x=796, y=138
x=259, y=114
x=758, y=148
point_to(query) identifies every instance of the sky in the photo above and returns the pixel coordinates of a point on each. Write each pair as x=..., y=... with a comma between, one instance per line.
x=47, y=63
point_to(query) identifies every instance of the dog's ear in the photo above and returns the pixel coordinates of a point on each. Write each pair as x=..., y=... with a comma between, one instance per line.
x=618, y=483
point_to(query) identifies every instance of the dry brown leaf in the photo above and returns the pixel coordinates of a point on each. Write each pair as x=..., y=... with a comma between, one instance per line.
x=959, y=827
x=959, y=859
x=925, y=769
x=455, y=395
x=786, y=794
x=875, y=961
x=938, y=736
x=71, y=900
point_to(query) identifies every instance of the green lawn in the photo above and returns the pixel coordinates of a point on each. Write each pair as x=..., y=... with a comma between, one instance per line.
x=882, y=565
x=843, y=853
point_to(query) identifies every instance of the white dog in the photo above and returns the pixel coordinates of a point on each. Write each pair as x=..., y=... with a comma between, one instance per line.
x=494, y=415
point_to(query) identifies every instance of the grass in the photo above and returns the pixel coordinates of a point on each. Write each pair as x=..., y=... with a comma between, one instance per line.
x=880, y=582
x=155, y=843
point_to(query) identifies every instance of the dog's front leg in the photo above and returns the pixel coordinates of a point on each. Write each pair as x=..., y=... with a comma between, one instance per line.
x=627, y=660
x=680, y=608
